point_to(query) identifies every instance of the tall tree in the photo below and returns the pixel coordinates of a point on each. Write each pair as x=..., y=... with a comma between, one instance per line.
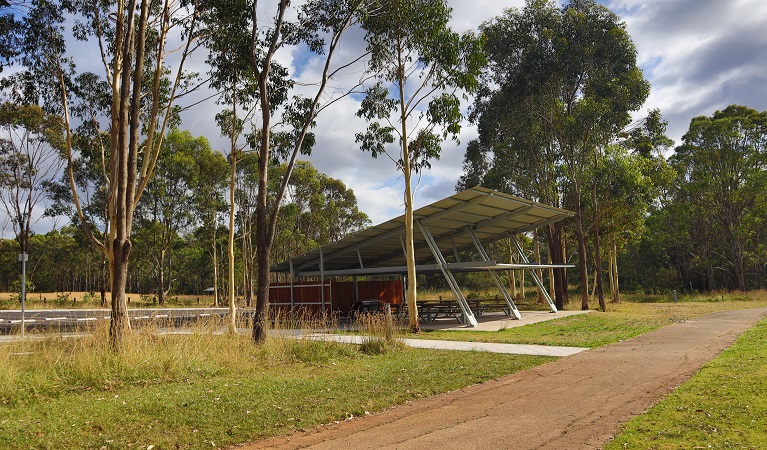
x=422, y=65
x=722, y=174
x=131, y=36
x=571, y=74
x=627, y=186
x=321, y=25
x=318, y=210
x=10, y=27
x=170, y=200
x=31, y=145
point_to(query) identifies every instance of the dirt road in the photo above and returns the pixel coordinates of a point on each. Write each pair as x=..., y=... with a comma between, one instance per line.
x=577, y=402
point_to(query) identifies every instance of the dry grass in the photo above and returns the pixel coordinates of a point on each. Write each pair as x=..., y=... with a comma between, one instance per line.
x=52, y=300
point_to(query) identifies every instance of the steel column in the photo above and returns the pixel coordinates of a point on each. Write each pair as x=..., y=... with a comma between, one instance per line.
x=501, y=287
x=448, y=275
x=537, y=279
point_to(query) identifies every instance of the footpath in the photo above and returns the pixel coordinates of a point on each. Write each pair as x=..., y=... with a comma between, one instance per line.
x=576, y=402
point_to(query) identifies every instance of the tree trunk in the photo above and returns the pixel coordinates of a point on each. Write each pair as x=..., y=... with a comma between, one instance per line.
x=554, y=242
x=597, y=249
x=593, y=287
x=215, y=266
x=161, y=279
x=537, y=250
x=232, y=322
x=103, y=281
x=412, y=304
x=119, y=325
x=617, y=292
x=261, y=316
x=740, y=278
x=581, y=247
x=611, y=272
x=512, y=277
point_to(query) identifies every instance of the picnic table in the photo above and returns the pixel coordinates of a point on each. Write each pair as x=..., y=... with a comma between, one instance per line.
x=434, y=309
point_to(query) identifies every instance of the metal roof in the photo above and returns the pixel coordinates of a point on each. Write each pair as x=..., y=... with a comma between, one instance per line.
x=380, y=249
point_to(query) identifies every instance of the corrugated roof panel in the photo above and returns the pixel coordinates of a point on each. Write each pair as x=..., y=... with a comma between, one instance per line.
x=490, y=213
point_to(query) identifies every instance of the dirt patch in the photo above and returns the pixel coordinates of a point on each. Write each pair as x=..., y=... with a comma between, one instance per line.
x=577, y=402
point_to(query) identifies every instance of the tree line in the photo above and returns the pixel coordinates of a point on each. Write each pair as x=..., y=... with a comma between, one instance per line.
x=179, y=248
x=553, y=125
x=553, y=87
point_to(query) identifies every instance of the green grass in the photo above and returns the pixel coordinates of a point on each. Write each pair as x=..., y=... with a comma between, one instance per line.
x=205, y=390
x=621, y=321
x=723, y=406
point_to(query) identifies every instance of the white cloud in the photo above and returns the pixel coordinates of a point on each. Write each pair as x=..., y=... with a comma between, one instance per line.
x=699, y=55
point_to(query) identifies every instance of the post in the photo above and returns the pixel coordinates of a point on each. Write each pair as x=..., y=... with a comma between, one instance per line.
x=23, y=258
x=674, y=295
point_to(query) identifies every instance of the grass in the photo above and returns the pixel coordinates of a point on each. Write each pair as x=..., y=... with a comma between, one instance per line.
x=211, y=390
x=214, y=390
x=634, y=316
x=723, y=406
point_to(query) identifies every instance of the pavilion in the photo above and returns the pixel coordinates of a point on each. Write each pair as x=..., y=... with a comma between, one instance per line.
x=446, y=231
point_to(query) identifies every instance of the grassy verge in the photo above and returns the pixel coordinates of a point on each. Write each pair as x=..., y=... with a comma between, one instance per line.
x=723, y=406
x=621, y=321
x=204, y=390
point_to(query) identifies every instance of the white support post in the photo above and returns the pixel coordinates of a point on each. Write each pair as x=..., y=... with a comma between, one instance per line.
x=537, y=280
x=467, y=312
x=501, y=287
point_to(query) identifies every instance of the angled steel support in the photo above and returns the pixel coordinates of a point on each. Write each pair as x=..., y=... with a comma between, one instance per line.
x=467, y=313
x=455, y=250
x=501, y=287
x=536, y=278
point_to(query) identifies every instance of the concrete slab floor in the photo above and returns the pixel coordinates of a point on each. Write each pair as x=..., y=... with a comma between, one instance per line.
x=495, y=321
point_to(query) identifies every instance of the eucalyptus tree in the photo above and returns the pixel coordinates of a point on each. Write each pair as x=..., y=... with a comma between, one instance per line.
x=318, y=210
x=315, y=27
x=627, y=188
x=570, y=72
x=31, y=145
x=722, y=168
x=132, y=39
x=10, y=26
x=320, y=26
x=169, y=207
x=421, y=65
x=209, y=201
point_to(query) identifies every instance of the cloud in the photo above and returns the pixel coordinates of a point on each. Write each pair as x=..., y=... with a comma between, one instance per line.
x=699, y=55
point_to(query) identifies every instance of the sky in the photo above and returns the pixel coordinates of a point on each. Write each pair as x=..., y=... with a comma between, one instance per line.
x=699, y=56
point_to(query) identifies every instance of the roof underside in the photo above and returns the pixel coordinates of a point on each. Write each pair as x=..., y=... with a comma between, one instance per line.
x=380, y=249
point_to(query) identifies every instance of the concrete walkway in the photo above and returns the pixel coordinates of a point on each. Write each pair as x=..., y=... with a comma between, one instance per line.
x=509, y=349
x=496, y=320
x=493, y=321
x=578, y=402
